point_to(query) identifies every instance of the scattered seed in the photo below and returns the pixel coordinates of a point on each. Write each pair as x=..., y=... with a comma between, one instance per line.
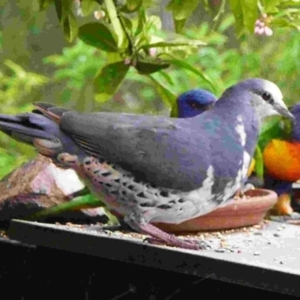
x=257, y=253
x=277, y=235
x=230, y=250
x=220, y=250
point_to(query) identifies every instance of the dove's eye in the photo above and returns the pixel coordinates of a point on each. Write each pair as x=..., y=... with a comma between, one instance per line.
x=195, y=105
x=267, y=97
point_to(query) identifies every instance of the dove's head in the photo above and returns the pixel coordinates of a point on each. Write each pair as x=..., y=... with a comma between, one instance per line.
x=194, y=102
x=266, y=98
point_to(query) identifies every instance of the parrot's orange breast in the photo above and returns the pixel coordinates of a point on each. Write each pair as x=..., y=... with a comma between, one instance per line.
x=282, y=160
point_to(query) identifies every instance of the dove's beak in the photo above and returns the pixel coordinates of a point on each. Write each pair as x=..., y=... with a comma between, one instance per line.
x=284, y=112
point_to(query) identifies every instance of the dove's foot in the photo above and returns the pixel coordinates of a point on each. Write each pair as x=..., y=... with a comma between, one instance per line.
x=256, y=181
x=293, y=218
x=247, y=187
x=180, y=243
x=160, y=237
x=70, y=161
x=242, y=191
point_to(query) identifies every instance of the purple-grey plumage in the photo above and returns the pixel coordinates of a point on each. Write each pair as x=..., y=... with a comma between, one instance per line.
x=44, y=133
x=194, y=102
x=154, y=168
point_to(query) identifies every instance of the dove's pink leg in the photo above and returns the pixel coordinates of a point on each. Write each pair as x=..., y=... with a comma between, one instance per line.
x=158, y=236
x=162, y=237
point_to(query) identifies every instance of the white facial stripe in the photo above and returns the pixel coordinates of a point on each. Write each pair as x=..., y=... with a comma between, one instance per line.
x=274, y=90
x=262, y=108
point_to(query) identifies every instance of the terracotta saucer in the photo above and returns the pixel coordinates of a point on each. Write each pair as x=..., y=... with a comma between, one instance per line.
x=237, y=213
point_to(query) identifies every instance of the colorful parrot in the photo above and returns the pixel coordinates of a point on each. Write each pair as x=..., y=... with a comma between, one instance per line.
x=281, y=157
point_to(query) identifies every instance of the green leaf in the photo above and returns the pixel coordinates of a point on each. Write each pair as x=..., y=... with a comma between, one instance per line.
x=237, y=11
x=70, y=27
x=153, y=24
x=148, y=3
x=283, y=23
x=179, y=25
x=183, y=64
x=245, y=14
x=167, y=77
x=109, y=79
x=274, y=127
x=63, y=8
x=88, y=6
x=44, y=4
x=177, y=49
x=270, y=6
x=132, y=6
x=66, y=18
x=122, y=41
x=148, y=66
x=174, y=111
x=98, y=35
x=127, y=22
x=182, y=9
x=250, y=13
x=58, y=8
x=167, y=95
x=287, y=4
x=84, y=202
x=141, y=22
x=174, y=44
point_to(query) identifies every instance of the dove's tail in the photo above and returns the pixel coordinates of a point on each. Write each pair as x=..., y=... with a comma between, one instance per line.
x=40, y=128
x=34, y=129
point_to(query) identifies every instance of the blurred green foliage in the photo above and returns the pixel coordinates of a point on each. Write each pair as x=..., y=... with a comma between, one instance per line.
x=15, y=85
x=147, y=60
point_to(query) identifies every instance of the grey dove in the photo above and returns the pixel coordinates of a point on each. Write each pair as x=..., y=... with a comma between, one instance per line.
x=155, y=168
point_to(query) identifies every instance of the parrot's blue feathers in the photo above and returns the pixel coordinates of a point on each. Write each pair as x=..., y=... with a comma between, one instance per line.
x=295, y=110
x=194, y=102
x=278, y=186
